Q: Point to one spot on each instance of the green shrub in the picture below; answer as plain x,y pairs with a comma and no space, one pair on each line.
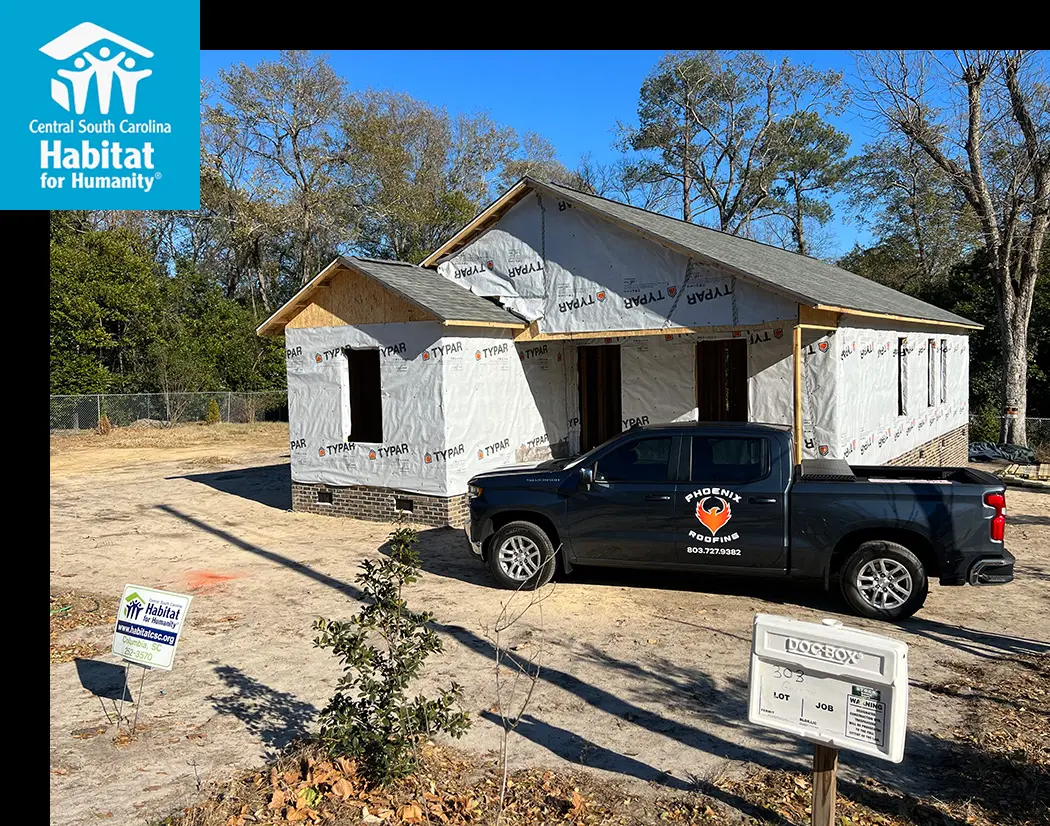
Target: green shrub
984,427
381,650
212,414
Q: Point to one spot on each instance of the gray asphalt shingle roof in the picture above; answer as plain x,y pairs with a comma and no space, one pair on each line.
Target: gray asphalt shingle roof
806,279
440,296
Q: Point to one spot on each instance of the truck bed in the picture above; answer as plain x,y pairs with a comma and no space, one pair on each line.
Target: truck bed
837,470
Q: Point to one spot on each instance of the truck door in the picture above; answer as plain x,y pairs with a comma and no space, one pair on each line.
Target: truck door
731,515
628,513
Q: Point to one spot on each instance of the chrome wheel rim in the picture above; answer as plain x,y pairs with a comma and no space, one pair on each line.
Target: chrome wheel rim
519,558
884,583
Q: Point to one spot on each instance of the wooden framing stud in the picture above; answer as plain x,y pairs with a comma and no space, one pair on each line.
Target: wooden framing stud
797,362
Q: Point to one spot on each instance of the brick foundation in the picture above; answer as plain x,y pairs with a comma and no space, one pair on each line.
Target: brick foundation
379,504
951,449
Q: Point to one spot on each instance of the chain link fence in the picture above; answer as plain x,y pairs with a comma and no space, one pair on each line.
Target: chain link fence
986,429
123,409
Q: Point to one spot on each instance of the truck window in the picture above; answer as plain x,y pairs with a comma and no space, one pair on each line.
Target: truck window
730,459
644,460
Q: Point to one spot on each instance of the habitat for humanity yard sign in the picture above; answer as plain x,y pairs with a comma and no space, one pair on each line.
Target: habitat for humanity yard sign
148,626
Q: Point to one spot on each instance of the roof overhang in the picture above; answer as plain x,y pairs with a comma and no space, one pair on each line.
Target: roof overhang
929,322
275,324
479,223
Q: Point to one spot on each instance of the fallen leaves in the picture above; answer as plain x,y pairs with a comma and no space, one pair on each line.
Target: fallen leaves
71,610
999,777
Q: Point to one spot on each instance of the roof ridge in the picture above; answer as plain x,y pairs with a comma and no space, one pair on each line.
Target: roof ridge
384,261
687,223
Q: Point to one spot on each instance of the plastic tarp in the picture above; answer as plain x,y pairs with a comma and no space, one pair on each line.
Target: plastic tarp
657,381
452,406
576,272
894,390
504,403
993,452
413,418
820,403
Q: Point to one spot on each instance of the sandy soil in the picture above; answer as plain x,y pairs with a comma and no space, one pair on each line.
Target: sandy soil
643,676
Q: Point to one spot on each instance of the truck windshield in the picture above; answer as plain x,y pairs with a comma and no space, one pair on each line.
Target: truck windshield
583,458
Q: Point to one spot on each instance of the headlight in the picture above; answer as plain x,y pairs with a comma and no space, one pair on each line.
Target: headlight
473,491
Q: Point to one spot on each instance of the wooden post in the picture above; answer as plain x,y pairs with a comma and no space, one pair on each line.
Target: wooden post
825,766
797,354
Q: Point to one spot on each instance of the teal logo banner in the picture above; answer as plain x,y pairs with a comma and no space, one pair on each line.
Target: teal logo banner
104,110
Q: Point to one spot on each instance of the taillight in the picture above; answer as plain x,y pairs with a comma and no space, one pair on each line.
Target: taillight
997,501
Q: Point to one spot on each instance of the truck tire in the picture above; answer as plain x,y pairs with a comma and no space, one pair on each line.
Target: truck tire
521,556
883,580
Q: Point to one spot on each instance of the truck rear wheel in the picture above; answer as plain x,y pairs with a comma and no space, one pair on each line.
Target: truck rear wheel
884,580
521,556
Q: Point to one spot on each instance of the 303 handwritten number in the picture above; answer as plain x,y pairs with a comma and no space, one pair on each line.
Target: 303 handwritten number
788,674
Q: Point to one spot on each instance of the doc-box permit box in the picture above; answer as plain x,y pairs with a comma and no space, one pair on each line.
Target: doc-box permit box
840,687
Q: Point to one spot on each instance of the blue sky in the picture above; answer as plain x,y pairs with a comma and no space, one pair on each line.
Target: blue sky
574,98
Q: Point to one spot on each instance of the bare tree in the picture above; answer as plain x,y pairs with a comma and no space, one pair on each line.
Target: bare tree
713,123
897,189
286,111
983,117
625,182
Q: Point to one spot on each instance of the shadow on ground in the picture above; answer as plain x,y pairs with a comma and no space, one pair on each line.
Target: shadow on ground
269,485
104,680
978,643
445,552
277,718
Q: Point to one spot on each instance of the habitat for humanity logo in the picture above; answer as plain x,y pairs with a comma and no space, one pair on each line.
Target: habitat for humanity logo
106,111
100,68
133,605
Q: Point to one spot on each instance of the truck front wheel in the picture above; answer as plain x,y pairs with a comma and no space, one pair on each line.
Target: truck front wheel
884,580
521,556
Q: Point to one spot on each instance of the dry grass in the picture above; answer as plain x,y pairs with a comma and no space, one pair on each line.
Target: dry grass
72,610
260,435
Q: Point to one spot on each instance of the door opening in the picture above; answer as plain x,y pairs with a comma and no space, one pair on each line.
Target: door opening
599,369
721,380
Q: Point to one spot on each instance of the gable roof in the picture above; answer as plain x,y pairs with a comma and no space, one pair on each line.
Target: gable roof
809,281
439,297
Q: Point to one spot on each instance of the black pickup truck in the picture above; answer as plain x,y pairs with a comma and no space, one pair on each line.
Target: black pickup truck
728,499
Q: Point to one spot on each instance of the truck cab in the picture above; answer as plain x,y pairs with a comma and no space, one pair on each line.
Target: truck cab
726,498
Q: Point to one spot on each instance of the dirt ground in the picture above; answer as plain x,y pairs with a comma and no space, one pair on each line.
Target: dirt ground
643,676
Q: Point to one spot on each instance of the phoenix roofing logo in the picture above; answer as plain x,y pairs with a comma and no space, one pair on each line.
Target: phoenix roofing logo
714,510
102,67
716,514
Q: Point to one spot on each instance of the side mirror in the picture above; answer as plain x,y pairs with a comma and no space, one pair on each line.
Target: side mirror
586,477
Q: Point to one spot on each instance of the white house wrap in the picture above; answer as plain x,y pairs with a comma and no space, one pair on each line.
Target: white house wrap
558,318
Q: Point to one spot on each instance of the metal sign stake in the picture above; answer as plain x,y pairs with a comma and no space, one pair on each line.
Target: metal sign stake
138,702
123,694
146,635
825,768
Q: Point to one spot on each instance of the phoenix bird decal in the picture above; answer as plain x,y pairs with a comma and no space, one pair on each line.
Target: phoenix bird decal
715,516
